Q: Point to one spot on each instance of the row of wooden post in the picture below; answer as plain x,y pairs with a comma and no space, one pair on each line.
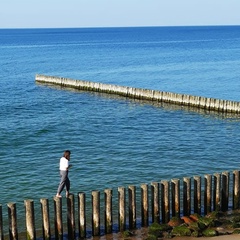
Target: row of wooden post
225,106
167,199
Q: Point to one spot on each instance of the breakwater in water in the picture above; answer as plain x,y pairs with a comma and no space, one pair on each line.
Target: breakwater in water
156,202
213,104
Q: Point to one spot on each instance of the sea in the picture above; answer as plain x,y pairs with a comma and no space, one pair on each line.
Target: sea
114,141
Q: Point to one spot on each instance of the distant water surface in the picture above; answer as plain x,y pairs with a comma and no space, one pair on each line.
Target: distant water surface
114,141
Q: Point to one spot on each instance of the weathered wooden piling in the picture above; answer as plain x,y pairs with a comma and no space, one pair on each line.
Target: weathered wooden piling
82,214
175,189
223,106
197,194
208,194
236,189
132,207
58,218
12,218
71,217
45,219
155,202
95,213
225,190
144,205
121,209
186,196
108,211
30,220
1,224
217,192
165,202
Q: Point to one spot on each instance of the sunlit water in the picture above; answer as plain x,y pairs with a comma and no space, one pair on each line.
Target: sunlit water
114,141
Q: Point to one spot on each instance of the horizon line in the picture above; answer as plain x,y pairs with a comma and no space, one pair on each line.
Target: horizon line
147,26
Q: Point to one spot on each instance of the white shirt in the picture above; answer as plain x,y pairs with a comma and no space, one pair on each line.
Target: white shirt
64,163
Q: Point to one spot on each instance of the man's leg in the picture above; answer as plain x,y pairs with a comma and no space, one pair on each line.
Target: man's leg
62,181
67,186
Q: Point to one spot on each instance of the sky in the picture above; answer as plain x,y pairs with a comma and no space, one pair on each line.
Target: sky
117,13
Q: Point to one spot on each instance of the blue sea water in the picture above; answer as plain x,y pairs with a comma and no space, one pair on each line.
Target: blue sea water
114,141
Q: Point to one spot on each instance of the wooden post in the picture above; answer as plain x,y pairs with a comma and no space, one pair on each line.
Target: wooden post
12,217
197,194
165,201
71,217
207,194
82,214
186,196
95,213
30,222
236,189
122,214
144,205
132,207
175,183
1,224
108,211
217,192
45,219
225,190
155,202
58,218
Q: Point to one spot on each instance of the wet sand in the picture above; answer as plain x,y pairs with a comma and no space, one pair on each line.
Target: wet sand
223,237
139,235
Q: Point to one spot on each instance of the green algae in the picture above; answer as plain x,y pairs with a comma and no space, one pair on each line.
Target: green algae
209,232
181,230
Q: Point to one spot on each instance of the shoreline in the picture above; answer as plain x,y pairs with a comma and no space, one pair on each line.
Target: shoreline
222,237
142,235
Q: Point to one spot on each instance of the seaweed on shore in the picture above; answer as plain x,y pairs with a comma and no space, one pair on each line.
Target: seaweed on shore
213,224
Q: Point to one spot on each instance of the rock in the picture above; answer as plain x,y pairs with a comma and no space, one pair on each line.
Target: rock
161,227
182,230
209,233
236,231
175,221
187,220
194,226
208,222
195,217
156,230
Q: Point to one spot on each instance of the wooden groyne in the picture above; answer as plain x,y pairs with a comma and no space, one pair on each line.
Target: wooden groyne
130,207
225,106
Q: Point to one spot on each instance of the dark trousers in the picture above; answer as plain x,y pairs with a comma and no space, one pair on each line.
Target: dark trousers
64,182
